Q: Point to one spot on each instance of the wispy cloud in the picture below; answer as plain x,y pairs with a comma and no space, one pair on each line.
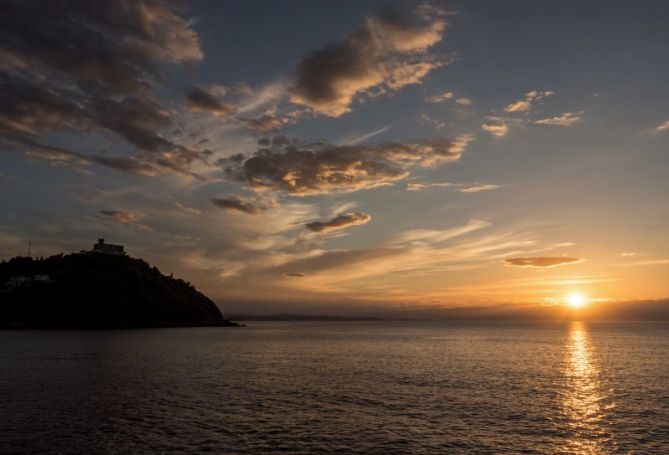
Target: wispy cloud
436,236
462,187
416,186
341,221
404,257
496,129
478,188
236,204
265,123
525,104
120,216
427,120
448,95
124,218
566,119
296,274
542,262
260,99
662,127
358,139
440,97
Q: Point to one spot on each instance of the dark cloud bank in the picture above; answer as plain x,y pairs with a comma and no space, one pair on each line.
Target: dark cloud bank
89,67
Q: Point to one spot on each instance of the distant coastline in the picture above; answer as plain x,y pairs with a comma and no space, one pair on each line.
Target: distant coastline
614,311
300,317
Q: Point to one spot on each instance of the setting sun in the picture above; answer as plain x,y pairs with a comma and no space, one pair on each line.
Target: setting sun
576,300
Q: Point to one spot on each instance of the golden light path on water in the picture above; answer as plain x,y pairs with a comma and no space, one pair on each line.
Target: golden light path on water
584,402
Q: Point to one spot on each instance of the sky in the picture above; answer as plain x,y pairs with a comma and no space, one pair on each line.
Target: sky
345,157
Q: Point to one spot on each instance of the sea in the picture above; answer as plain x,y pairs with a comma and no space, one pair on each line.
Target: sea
338,388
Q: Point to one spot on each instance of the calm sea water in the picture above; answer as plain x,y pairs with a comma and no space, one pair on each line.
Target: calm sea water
350,388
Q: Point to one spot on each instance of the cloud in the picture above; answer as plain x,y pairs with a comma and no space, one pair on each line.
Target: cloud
57,156
366,136
206,99
123,218
462,187
100,85
433,236
662,127
120,215
236,204
449,95
128,164
499,126
628,253
137,119
295,274
339,222
308,169
119,43
440,97
566,119
416,186
525,104
496,129
266,123
478,188
542,262
396,262
260,99
385,54
434,123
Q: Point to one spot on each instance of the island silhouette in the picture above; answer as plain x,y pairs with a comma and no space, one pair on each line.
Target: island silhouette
99,288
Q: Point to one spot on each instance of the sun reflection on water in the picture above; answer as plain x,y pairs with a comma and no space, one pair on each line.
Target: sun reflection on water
584,401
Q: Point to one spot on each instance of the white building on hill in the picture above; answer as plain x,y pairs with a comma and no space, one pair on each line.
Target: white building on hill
108,248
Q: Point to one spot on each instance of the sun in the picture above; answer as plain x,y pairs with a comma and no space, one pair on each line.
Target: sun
576,300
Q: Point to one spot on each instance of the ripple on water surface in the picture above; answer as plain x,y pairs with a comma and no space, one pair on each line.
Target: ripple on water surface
351,388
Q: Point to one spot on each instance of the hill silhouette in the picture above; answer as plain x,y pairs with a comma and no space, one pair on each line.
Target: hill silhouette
89,290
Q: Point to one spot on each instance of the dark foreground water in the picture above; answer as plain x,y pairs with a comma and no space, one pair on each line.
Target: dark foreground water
350,388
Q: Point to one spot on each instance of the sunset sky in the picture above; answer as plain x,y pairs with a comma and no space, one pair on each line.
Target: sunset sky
345,156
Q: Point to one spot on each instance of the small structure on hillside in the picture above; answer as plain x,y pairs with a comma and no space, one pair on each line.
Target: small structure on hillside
108,248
